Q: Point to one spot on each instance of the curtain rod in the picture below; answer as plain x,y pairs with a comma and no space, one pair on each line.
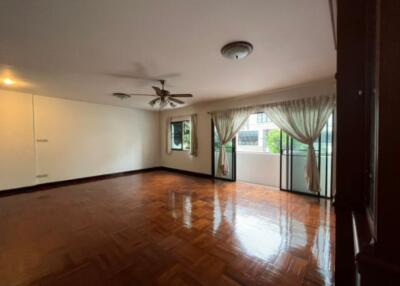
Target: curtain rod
185,115
262,105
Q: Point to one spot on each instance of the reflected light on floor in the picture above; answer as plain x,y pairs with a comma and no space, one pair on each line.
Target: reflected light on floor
261,242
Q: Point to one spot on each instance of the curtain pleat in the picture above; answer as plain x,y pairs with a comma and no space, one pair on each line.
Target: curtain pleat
168,139
193,135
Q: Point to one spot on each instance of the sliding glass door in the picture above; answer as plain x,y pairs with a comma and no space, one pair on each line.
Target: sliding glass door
230,149
293,156
293,160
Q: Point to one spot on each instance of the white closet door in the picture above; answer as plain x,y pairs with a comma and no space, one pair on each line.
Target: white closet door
17,152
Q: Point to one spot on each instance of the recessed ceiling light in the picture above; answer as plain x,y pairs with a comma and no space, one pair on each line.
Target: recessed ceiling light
8,81
237,50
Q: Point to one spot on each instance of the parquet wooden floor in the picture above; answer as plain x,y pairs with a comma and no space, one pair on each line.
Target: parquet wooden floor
162,228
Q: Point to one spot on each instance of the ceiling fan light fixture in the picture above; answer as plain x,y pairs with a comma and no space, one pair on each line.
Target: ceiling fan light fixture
163,97
237,50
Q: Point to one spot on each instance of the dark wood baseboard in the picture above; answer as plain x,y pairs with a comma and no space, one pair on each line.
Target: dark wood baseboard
188,173
57,184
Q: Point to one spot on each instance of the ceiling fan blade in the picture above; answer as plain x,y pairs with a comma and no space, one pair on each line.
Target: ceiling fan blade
181,95
154,101
172,104
176,100
120,94
141,94
158,90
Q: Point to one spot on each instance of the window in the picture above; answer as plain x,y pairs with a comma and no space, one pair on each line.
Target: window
273,141
261,117
176,133
248,138
186,135
180,135
259,134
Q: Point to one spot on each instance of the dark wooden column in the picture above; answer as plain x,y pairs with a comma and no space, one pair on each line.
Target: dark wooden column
368,146
388,169
351,133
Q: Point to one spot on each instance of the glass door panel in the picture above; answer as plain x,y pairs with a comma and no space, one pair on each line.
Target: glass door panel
294,158
298,163
230,153
284,162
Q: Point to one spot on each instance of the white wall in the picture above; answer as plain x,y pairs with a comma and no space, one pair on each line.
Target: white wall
86,139
258,168
202,163
17,152
83,139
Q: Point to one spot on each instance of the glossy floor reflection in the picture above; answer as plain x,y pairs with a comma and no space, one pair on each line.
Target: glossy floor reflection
165,229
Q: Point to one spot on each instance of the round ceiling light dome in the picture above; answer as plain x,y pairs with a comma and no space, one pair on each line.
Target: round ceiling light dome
237,50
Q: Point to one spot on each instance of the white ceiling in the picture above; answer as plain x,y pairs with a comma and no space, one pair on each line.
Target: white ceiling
76,49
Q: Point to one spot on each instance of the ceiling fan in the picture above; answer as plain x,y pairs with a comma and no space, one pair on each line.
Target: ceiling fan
164,97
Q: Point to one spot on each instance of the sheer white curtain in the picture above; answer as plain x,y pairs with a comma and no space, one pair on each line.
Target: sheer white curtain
193,135
168,139
304,119
228,124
